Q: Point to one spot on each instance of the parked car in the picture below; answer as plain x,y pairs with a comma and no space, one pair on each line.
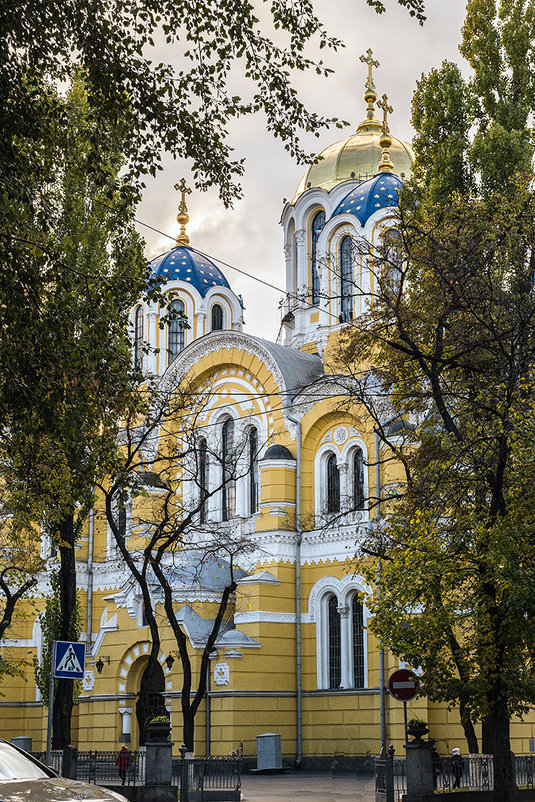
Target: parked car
24,777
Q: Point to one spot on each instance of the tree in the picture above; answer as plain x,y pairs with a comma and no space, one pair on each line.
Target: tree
450,335
172,544
66,317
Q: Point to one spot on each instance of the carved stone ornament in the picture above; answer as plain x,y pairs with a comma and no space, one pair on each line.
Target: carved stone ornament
221,673
88,681
340,435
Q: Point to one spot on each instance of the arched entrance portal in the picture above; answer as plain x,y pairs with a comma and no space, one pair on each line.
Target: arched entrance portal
151,701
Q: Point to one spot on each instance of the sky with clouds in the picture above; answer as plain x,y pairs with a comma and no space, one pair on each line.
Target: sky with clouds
249,236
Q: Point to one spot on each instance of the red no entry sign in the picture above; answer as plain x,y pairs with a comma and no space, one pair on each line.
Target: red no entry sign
403,685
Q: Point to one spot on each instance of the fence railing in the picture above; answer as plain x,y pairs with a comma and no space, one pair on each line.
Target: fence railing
56,761
99,767
195,775
474,773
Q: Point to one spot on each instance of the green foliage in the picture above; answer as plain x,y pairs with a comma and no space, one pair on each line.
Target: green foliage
51,629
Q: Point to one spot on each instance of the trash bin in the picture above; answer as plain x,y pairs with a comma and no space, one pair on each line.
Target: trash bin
268,751
23,742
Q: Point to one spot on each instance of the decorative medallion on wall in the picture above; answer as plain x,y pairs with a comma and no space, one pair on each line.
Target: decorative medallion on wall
340,435
88,681
221,674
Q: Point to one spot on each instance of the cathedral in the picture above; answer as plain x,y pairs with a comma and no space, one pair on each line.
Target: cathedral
294,655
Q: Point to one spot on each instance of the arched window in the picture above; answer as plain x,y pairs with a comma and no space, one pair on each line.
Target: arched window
121,523
228,492
217,317
358,479
346,279
203,478
175,334
253,470
333,484
393,259
334,642
318,222
357,633
138,337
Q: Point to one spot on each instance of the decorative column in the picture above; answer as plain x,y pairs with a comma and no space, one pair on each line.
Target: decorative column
126,713
200,315
345,645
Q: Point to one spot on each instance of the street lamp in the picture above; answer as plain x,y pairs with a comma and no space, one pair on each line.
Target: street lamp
99,665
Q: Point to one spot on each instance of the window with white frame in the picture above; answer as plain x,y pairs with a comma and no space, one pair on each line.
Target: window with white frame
252,476
203,468
318,222
228,481
138,337
338,608
175,330
217,317
122,517
346,279
340,476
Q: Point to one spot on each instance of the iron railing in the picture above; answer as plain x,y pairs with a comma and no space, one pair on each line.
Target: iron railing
99,767
56,759
208,774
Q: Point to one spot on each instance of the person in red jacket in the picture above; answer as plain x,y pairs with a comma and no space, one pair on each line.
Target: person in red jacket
122,761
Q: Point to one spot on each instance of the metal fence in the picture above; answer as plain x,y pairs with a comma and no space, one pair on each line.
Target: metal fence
208,775
99,767
474,773
56,761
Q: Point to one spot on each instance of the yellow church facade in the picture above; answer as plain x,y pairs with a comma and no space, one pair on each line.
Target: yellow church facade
296,655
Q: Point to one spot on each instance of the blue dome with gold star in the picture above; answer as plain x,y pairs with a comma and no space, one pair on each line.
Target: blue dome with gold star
377,193
185,264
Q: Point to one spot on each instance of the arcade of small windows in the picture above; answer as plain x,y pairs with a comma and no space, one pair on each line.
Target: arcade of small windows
217,317
318,223
175,332
138,337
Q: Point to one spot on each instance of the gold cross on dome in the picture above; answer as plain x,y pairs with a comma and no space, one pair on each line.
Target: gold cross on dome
368,59
184,190
383,104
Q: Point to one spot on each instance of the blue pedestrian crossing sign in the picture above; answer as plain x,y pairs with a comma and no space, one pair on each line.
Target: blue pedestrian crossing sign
70,660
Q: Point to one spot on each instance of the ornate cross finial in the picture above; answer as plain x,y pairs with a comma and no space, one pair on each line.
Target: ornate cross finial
368,59
182,216
383,104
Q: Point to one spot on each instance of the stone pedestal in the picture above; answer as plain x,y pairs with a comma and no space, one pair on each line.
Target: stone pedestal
158,763
419,766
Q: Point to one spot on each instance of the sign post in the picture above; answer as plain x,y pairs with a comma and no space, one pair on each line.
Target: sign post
68,661
403,685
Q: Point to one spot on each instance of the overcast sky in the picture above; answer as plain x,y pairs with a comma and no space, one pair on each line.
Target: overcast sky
249,235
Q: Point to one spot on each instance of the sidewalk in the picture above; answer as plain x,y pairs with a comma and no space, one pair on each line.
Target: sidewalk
302,787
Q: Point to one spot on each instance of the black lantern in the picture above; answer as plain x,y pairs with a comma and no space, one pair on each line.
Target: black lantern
99,665
169,660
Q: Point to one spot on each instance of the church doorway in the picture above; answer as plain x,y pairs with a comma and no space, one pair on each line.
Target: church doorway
151,699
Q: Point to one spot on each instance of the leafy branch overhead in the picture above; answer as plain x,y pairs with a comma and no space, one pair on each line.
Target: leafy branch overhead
126,53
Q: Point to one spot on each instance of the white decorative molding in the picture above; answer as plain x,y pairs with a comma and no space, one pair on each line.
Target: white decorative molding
106,625
263,617
263,578
232,654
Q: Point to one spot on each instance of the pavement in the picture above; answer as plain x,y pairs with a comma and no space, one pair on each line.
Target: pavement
307,787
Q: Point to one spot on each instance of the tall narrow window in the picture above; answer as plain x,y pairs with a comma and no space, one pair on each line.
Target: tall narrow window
228,493
335,647
253,470
358,479
318,222
138,337
175,335
203,479
393,259
333,484
357,627
217,317
346,279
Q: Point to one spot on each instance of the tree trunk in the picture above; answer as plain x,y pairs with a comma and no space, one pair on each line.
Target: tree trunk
63,699
504,777
469,731
189,727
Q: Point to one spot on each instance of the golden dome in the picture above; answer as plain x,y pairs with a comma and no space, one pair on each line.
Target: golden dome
356,157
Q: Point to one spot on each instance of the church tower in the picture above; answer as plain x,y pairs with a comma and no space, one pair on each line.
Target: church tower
339,202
